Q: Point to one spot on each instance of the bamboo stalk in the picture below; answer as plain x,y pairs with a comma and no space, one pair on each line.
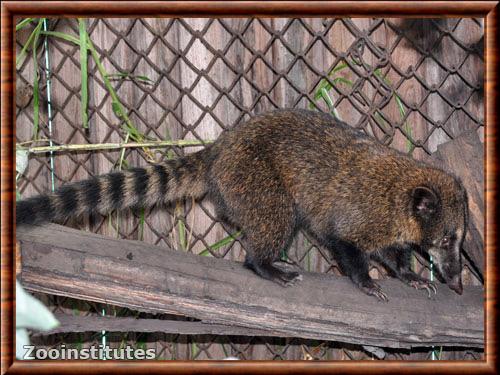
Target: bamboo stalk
111,146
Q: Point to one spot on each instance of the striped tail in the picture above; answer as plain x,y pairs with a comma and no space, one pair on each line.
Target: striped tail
133,188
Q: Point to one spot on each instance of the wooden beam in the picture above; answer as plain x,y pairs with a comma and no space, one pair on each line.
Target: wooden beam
93,323
63,261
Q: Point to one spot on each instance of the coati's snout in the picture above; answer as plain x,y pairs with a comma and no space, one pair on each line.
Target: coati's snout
442,215
448,264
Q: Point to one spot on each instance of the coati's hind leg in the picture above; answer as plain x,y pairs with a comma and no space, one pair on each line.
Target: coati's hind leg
397,261
264,243
354,263
265,240
256,202
268,271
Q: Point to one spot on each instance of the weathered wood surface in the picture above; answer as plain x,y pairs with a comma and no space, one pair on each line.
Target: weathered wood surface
464,157
80,323
63,261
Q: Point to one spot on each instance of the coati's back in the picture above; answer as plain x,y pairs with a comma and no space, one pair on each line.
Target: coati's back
338,178
283,171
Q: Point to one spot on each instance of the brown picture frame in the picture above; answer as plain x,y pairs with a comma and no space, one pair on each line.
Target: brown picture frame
12,9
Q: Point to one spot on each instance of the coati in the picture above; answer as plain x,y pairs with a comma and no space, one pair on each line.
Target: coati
297,169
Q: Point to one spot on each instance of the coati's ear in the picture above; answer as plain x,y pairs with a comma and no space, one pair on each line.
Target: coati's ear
424,202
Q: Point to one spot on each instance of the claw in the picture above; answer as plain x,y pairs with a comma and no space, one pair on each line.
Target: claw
376,291
428,292
432,287
427,285
291,279
381,296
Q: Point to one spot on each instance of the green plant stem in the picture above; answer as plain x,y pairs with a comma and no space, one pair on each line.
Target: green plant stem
116,104
84,72
36,78
182,241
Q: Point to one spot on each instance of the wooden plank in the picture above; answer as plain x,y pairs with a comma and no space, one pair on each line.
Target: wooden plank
79,323
63,261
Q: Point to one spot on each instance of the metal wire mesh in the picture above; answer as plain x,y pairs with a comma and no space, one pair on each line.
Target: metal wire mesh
411,84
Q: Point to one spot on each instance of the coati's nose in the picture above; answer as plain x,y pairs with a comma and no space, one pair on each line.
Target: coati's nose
456,285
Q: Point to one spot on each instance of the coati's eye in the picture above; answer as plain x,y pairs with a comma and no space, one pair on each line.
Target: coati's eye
445,241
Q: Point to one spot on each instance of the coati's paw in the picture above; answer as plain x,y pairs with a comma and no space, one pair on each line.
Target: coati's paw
424,284
373,289
275,274
289,278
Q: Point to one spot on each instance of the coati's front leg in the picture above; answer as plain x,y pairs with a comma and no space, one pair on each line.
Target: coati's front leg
354,263
397,260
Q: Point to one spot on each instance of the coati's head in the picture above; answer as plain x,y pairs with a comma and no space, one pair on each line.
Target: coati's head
440,207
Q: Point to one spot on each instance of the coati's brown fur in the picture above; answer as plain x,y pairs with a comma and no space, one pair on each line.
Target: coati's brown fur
296,169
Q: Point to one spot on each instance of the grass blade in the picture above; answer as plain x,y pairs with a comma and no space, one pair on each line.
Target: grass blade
83,70
23,23
343,80
29,43
141,224
66,37
324,85
409,145
225,241
129,76
338,68
115,101
324,95
36,79
116,104
181,227
143,78
182,234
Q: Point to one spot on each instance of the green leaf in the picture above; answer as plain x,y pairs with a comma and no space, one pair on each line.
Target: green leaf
225,241
338,68
84,73
23,23
29,43
117,75
141,225
130,76
36,79
64,36
326,98
116,109
115,101
343,80
181,227
143,78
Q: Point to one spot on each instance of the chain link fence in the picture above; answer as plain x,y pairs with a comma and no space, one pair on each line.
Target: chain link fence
412,84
